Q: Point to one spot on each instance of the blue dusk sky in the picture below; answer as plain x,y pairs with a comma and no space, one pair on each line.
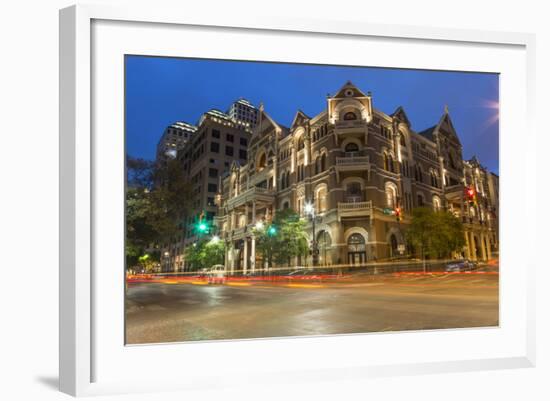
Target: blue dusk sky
160,91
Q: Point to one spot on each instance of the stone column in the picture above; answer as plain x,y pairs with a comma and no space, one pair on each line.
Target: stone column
468,253
483,246
253,212
253,253
245,255
473,250
488,242
227,250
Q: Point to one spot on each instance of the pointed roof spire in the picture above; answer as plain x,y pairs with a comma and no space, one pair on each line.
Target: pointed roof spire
446,109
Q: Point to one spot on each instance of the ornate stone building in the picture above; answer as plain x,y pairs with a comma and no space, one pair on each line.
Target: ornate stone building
357,165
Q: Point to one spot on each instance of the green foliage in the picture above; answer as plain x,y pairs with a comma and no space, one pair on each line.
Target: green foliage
205,253
435,233
156,201
283,239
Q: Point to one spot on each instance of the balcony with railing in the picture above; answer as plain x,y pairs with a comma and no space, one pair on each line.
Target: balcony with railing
355,209
251,194
350,124
260,176
352,162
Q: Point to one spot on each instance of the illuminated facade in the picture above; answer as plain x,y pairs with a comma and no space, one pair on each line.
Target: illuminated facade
357,165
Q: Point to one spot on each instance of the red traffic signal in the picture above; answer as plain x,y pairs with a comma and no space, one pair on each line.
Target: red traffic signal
397,213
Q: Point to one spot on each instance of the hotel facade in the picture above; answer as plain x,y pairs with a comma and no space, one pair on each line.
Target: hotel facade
357,165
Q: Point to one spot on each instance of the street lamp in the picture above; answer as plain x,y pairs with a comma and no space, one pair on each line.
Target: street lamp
309,209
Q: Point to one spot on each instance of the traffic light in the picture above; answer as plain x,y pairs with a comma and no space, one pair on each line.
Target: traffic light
272,231
470,195
202,226
397,213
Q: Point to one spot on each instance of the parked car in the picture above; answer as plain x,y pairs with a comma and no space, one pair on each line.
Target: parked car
460,266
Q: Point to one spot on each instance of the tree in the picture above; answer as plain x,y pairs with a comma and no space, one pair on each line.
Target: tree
157,198
283,239
205,253
435,233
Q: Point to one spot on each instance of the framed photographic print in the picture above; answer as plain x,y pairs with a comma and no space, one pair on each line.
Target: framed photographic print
280,199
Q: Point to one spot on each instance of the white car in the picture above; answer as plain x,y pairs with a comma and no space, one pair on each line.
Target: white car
216,274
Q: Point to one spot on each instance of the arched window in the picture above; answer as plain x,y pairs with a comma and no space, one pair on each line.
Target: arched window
402,140
242,220
391,195
301,144
434,179
321,199
261,162
418,175
286,205
386,164
351,147
323,162
452,160
390,163
356,243
349,116
318,165
419,200
353,192
300,205
287,183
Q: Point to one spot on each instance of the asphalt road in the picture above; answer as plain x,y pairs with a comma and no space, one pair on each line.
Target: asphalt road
159,312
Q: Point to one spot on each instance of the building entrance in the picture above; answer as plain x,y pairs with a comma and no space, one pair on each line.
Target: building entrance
357,252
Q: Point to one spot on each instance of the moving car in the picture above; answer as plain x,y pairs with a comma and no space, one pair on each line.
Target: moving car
460,266
216,274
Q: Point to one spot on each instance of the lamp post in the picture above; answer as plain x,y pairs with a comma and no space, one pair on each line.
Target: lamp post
309,209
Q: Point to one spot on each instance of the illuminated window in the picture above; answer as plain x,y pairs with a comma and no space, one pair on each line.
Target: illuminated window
391,195
321,199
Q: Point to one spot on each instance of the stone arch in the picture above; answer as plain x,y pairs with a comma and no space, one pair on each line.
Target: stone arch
390,189
261,160
397,233
350,105
356,230
347,141
299,138
324,243
321,197
349,180
284,202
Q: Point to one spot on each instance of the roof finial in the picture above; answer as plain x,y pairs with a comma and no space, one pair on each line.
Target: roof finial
261,106
446,109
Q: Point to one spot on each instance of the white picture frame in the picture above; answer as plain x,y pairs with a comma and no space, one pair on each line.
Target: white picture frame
81,342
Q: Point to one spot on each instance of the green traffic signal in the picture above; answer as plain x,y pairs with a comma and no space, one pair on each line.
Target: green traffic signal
272,231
